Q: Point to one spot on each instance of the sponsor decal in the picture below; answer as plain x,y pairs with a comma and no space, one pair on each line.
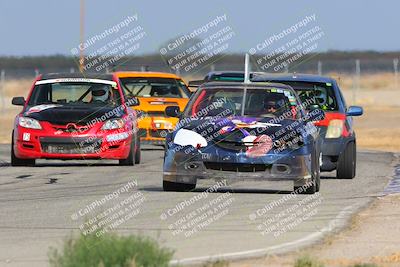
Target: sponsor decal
69,80
26,137
39,108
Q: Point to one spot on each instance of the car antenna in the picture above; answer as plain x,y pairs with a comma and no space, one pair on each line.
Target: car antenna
247,68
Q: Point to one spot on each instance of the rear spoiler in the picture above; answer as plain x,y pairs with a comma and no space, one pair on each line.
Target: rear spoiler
196,83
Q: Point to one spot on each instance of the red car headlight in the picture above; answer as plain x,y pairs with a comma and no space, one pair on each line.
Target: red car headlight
29,123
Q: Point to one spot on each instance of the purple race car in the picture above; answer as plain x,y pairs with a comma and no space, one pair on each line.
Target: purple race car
243,132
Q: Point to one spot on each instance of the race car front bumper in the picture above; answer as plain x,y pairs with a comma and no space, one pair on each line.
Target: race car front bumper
152,137
36,144
182,167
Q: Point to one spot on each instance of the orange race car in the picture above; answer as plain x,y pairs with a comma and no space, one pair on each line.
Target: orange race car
155,91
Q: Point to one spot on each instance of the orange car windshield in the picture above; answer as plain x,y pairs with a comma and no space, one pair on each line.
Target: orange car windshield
154,87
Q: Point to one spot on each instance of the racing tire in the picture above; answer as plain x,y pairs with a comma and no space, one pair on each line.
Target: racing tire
177,187
130,160
315,184
17,161
138,151
317,173
346,166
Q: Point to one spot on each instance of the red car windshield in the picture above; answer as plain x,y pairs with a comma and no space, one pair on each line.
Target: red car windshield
75,93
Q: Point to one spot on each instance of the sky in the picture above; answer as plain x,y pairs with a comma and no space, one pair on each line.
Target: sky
48,27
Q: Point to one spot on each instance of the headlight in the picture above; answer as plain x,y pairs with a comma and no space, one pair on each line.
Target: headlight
335,129
113,124
186,137
29,123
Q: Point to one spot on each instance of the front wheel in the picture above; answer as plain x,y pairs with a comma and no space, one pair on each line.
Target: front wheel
177,187
138,151
308,188
313,186
346,166
17,161
130,160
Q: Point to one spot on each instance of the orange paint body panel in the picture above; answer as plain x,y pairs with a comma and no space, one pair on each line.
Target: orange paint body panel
156,124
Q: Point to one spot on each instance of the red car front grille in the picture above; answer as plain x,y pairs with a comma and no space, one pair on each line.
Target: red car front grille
63,145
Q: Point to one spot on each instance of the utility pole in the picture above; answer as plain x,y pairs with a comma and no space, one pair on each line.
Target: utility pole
358,73
2,79
396,72
286,67
319,67
82,36
356,81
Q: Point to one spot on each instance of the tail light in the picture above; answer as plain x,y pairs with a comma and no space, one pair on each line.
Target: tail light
335,129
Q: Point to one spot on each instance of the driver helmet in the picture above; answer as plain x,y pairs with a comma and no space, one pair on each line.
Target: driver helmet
321,97
100,92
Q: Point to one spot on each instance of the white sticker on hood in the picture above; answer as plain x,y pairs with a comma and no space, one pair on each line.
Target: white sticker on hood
39,108
186,137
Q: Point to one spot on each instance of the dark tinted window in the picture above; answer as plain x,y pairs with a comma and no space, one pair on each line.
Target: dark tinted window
321,94
154,87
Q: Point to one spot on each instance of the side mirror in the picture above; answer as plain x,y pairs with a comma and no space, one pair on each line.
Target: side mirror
313,107
18,101
316,115
172,111
354,111
132,102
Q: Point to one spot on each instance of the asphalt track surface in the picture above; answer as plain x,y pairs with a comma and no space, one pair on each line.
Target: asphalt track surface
39,207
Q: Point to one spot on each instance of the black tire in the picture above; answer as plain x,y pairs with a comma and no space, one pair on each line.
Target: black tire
17,161
130,160
346,166
318,174
138,152
178,187
314,186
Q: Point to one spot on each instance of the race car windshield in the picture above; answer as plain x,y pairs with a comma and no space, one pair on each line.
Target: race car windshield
237,77
320,94
75,93
260,102
231,77
154,87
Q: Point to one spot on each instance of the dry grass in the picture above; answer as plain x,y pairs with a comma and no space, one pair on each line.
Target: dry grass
374,81
18,87
379,139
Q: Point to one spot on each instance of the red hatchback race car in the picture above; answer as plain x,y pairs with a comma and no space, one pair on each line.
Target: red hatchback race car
75,116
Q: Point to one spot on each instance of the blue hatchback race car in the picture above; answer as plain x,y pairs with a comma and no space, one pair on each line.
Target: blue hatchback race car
243,131
339,150
339,138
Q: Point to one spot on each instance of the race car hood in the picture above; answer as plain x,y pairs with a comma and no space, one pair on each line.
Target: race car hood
236,128
64,114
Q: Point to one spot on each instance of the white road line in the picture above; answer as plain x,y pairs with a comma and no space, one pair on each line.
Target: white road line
337,222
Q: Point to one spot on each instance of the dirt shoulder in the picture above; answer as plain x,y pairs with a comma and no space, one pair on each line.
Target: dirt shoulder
372,237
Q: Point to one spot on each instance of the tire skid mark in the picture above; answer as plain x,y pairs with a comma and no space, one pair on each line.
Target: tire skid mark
393,187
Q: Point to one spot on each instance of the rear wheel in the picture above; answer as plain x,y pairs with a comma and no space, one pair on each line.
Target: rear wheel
130,160
177,187
17,161
346,166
